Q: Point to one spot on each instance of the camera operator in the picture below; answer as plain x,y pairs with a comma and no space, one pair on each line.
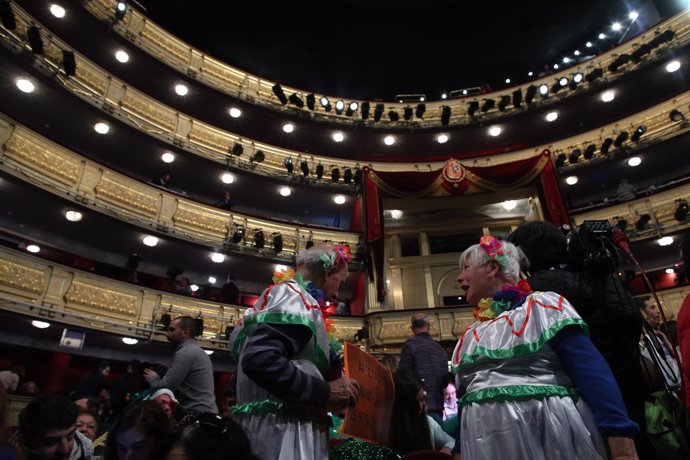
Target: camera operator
591,283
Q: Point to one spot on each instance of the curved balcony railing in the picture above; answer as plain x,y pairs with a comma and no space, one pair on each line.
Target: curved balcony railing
56,169
661,207
156,41
33,287
102,90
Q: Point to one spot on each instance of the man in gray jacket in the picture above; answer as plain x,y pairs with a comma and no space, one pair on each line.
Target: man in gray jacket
190,375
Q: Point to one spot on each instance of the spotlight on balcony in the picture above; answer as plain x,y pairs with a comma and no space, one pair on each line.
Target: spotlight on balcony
259,239
325,103
517,98
289,167
606,145
488,105
472,108
622,137
407,113
378,112
503,103
419,111
676,115
642,222
351,108
277,242
311,101
296,100
364,113
393,115
278,91
531,92
445,115
304,167
335,175
681,211
638,133
589,151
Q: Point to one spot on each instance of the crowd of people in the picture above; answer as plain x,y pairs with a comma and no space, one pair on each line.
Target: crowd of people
561,362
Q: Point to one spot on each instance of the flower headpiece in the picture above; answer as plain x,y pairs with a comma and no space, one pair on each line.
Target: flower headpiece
494,249
338,254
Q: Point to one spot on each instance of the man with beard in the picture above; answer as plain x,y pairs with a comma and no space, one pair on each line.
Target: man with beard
190,375
48,431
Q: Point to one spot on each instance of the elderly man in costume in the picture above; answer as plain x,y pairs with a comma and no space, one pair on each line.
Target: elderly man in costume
284,360
534,385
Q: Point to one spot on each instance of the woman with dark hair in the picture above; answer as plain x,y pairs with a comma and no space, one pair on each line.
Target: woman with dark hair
141,432
411,428
203,436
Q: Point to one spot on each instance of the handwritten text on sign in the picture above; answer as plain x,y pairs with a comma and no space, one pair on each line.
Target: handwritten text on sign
371,417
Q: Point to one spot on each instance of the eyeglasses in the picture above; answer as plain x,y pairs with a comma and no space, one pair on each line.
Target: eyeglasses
211,424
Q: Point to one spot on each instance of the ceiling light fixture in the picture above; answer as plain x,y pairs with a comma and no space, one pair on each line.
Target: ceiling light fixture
129,341
288,127
217,257
227,178
101,128
122,56
212,279
25,86
571,180
608,96
670,271
634,161
285,191
389,140
396,214
494,131
150,241
673,66
33,248
57,11
633,15
235,112
551,116
543,89
168,157
40,324
181,90
338,136
73,216
589,44
665,241
616,26
339,199
442,138
208,352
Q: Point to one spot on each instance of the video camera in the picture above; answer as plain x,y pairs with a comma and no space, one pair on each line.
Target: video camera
592,248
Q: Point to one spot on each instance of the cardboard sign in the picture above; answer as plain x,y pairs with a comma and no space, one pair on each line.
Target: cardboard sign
370,419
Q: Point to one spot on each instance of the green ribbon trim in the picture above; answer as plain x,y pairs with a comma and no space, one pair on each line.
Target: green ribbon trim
517,393
518,350
273,406
272,317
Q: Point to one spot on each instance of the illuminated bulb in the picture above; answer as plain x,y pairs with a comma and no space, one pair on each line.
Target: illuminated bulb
633,15
608,96
339,199
442,138
389,140
507,80
73,216
227,178
571,180
670,271
616,26
551,116
101,128
181,90
396,214
194,287
33,248
25,85
168,157
150,241
122,56
673,66
444,96
208,352
40,324
665,241
129,341
57,11
602,36
530,73
543,89
236,113
509,205
494,131
217,257
589,44
634,161
211,279
285,191
288,127
338,136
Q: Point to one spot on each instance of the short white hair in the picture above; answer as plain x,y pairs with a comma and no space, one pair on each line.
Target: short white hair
312,262
477,255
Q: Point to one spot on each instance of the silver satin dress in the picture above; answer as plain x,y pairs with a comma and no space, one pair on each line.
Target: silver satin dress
519,403
281,431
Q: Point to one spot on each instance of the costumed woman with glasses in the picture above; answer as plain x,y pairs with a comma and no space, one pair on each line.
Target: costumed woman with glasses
288,376
533,385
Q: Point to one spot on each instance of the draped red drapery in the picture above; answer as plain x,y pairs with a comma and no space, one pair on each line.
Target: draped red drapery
454,179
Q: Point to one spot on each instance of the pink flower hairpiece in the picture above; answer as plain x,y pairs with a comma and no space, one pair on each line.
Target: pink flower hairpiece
494,249
338,254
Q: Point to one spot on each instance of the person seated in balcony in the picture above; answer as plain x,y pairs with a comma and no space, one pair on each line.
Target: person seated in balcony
625,191
225,202
164,181
9,378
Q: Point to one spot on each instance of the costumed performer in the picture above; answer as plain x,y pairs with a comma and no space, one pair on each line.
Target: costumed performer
284,361
534,386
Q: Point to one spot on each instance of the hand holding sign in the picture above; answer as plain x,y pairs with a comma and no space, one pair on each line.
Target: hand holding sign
344,392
